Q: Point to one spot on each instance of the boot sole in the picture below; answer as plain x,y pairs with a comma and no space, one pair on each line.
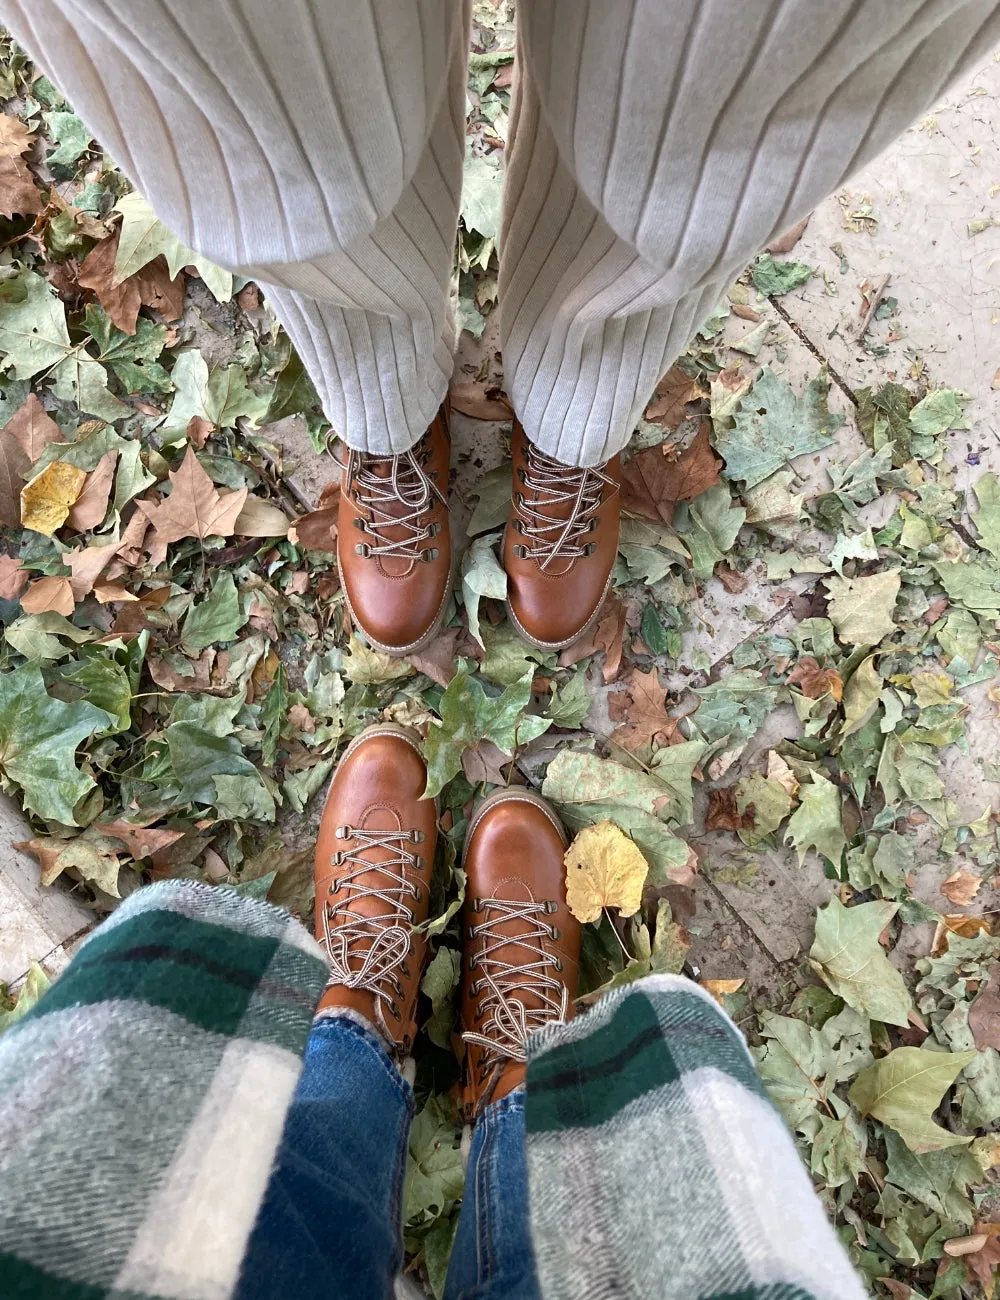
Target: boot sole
513,796
568,641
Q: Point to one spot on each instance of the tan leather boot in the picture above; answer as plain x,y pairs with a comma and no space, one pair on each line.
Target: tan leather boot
522,943
374,858
394,541
560,544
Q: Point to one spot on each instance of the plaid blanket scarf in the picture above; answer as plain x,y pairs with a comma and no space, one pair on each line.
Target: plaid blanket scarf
142,1100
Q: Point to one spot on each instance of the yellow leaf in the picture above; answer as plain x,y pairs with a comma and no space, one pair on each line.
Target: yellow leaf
721,988
47,500
603,869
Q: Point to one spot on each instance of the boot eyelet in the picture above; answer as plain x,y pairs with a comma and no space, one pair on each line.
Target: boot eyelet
360,524
471,934
418,897
418,837
519,527
341,832
364,550
593,526
334,886
419,863
558,964
394,1013
520,552
551,907
590,548
519,498
556,932
429,555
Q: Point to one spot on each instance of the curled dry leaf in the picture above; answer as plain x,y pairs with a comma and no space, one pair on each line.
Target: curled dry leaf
984,1014
198,431
150,286
260,518
12,577
18,192
49,594
961,887
437,660
778,770
814,681
316,531
14,467
47,500
86,566
643,712
604,868
606,635
109,593
721,988
966,927
786,242
480,402
141,841
667,407
724,815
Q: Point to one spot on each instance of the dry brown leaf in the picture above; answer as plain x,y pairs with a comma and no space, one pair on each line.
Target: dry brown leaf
200,680
47,500
786,242
91,505
33,427
643,707
18,192
141,841
652,483
898,1290
604,868
46,853
12,577
687,873
301,719
14,468
778,770
47,594
485,762
720,988
957,923
746,313
723,814
815,681
961,887
195,506
151,286
110,593
249,297
15,137
605,634
316,531
671,396
733,582
86,566
476,400
260,518
437,660
983,1262
198,431
984,1014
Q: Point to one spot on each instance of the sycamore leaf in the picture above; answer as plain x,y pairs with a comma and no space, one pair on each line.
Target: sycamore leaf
987,517
12,577
903,1090
93,861
144,237
861,695
220,396
960,888
79,378
35,984
33,427
469,715
764,799
493,491
772,278
362,664
972,583
603,869
195,507
652,483
570,703
482,190
940,411
54,593
132,356
14,468
38,739
848,957
91,505
861,609
46,501
481,576
71,136
578,778
773,426
33,333
217,618
817,822
671,942
709,525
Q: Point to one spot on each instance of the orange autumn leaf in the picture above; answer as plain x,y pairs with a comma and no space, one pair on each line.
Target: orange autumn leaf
814,681
49,595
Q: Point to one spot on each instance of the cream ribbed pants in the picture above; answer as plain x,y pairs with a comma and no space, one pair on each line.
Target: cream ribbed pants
655,146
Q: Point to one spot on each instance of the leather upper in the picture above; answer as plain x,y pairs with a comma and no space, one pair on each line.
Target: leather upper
374,859
397,575
553,592
520,939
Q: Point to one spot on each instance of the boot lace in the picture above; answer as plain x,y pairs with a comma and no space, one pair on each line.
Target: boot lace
382,942
506,1020
555,485
406,485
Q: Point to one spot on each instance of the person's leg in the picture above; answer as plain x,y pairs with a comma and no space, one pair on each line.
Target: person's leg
492,1258
330,1224
316,147
653,150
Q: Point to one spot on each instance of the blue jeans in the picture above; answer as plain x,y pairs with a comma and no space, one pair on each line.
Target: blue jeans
331,1222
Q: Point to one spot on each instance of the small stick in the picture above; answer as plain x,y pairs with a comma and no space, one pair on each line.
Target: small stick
873,305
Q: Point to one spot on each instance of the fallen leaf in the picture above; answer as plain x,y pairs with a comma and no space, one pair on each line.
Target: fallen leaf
961,887
15,137
109,593
195,506
172,679
984,1014
86,566
437,660
723,814
471,399
966,927
485,763
818,821
317,530
667,407
721,988
652,484
984,1260
46,501
848,957
778,770
604,868
815,681
33,427
903,1090
260,518
786,242
14,468
91,505
606,635
141,841
12,577
199,430
861,609
151,286
49,594
18,192
644,715
773,425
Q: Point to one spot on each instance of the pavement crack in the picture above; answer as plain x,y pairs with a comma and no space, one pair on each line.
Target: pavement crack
807,342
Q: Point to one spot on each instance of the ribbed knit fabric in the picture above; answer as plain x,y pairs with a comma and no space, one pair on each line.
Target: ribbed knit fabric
655,147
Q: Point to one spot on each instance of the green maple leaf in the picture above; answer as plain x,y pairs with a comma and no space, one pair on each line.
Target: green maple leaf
482,191
217,618
435,1170
848,957
774,278
570,702
816,823
220,396
33,332
272,715
294,392
987,517
709,525
72,137
975,584
773,426
144,237
481,576
469,715
38,739
904,1088
133,357
884,419
940,411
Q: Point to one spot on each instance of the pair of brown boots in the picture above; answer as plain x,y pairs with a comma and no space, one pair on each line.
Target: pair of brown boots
394,545
521,944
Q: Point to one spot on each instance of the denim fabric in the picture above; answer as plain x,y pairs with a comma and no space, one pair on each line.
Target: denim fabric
330,1225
